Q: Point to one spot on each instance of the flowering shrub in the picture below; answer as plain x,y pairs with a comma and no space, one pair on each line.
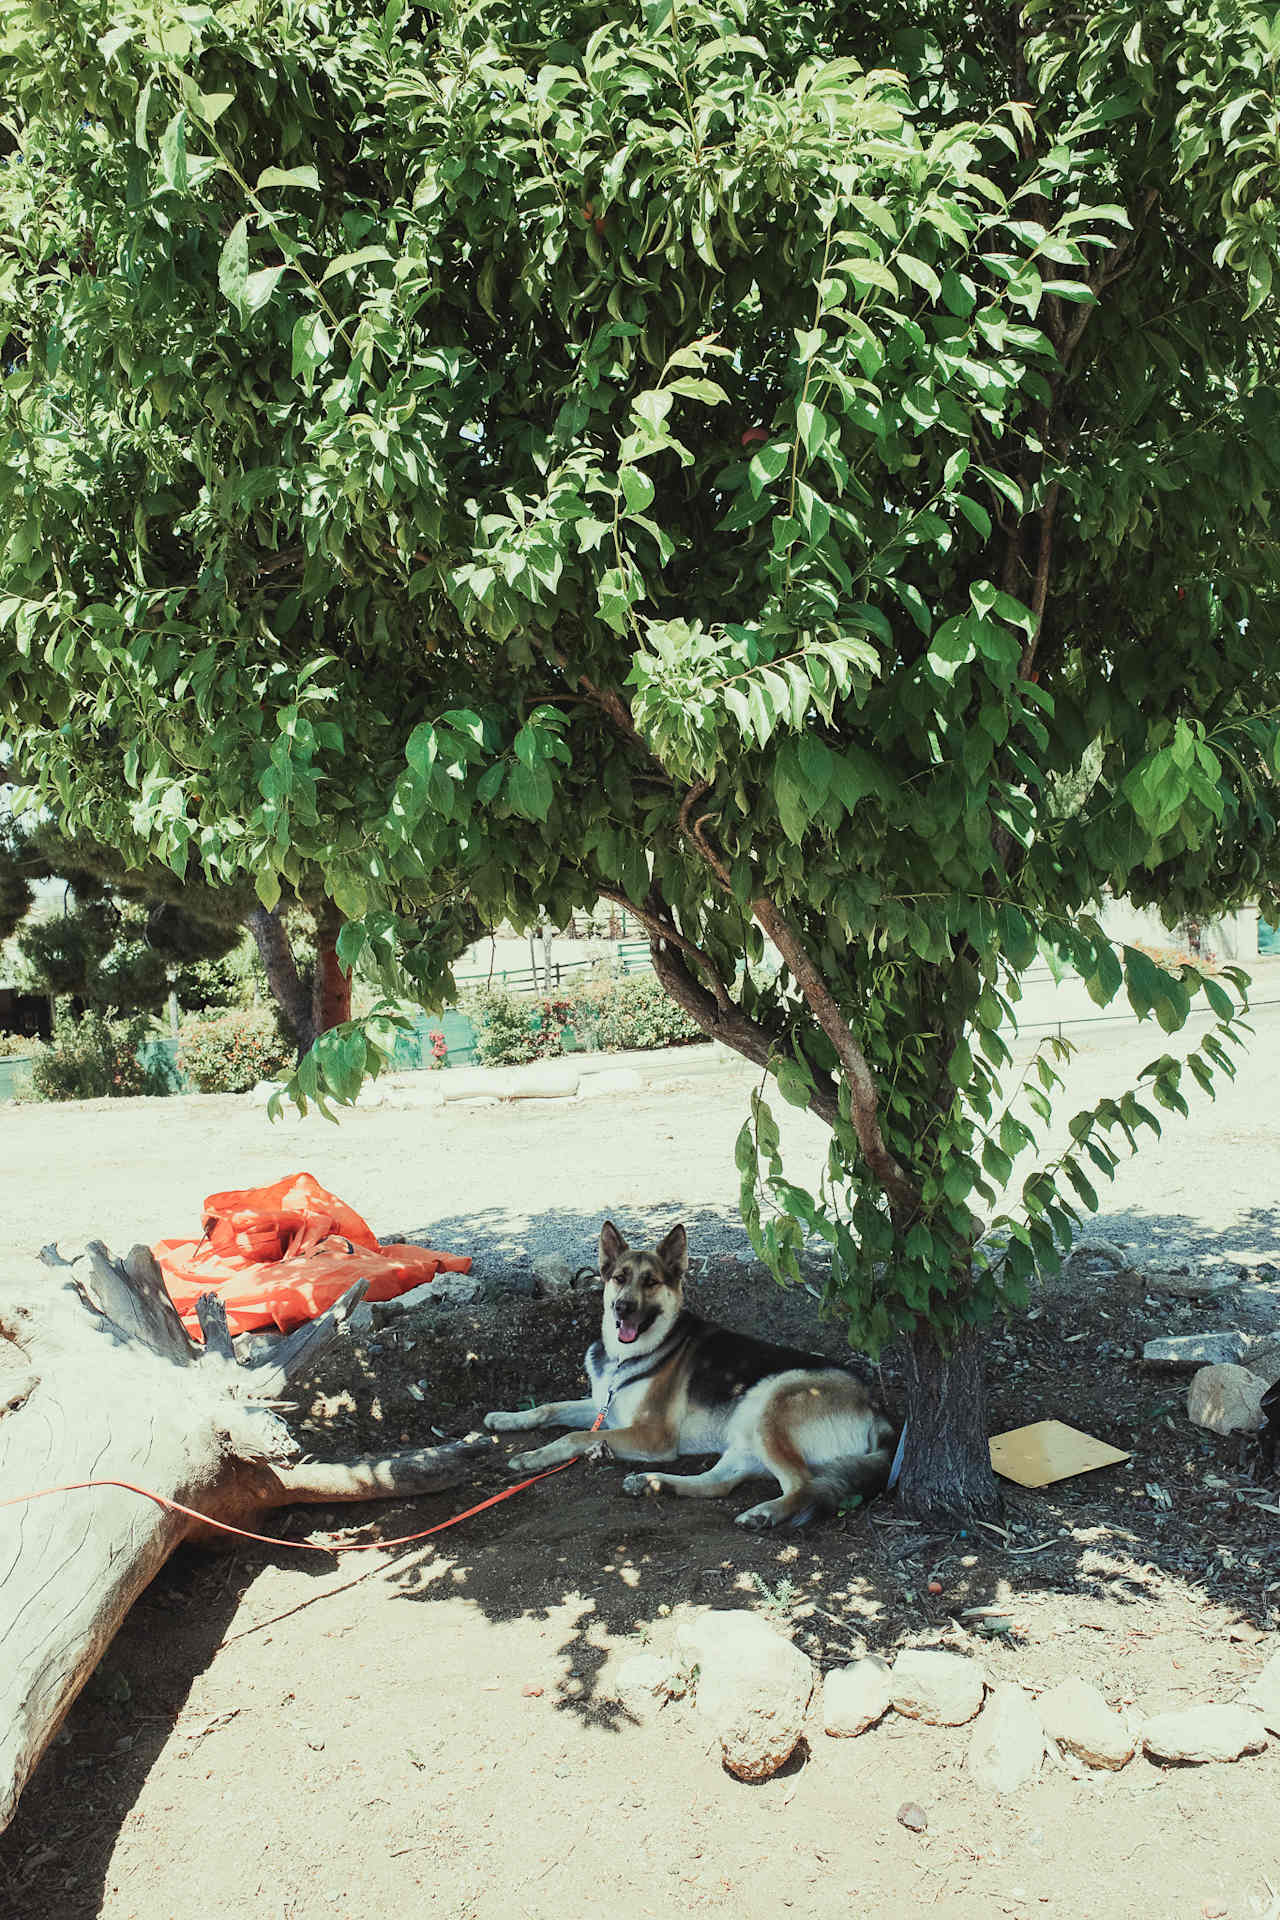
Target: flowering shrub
633,1012
18,1045
613,1015
233,1052
94,1059
439,1046
511,1031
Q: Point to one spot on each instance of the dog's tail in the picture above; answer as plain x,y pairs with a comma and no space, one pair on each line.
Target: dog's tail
836,1481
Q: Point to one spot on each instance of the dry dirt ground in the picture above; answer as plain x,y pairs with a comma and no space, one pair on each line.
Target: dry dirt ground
434,1729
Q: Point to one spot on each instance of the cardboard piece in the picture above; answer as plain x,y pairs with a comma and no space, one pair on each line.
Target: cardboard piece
1049,1450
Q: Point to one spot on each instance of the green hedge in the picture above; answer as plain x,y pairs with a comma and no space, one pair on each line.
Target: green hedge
94,1059
612,1015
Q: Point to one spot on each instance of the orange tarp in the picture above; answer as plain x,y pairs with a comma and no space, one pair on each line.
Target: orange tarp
282,1254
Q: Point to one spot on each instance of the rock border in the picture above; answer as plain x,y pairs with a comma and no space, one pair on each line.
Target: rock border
734,1667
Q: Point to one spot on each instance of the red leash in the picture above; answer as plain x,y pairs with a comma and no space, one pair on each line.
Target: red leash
307,1546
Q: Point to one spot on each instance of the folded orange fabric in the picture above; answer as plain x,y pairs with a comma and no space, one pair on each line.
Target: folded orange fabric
282,1254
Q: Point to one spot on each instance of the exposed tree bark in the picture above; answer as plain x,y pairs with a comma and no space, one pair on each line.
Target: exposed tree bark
288,992
331,988
99,1381
946,1468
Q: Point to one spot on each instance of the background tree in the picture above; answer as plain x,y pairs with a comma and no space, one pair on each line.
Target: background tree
800,471
133,930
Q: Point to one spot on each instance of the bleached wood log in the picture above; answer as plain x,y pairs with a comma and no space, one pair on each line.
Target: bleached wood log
99,1381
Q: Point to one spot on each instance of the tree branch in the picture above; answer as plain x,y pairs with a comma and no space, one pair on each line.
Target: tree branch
656,916
1040,586
863,1098
729,1024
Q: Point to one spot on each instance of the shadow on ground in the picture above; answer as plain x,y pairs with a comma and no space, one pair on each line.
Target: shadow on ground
1185,1526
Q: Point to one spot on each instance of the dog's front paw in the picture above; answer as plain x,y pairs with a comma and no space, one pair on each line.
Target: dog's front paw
525,1462
641,1483
503,1422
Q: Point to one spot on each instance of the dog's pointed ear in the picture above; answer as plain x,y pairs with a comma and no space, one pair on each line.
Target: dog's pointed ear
673,1252
612,1248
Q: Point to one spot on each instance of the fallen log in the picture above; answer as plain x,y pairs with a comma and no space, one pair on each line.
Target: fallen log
99,1381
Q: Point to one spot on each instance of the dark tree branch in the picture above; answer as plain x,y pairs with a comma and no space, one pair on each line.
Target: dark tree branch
863,1096
730,1024
657,918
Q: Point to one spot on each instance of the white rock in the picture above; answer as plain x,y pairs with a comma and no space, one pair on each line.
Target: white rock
427,1090
643,1683
1262,1695
944,1689
1187,1350
553,1273
752,1689
551,1082
1079,1719
1008,1745
1226,1399
856,1696
1102,1250
1203,1283
1204,1733
450,1290
612,1080
424,1296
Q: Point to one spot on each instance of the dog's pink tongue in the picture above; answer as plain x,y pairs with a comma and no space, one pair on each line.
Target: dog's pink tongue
627,1333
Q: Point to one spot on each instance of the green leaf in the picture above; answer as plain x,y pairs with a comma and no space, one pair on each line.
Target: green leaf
209,107
637,489
795,1084
305,177
490,781
111,42
173,152
233,264
977,516
529,790
708,391
813,427
347,262
259,287
960,1065
996,1162
310,345
767,465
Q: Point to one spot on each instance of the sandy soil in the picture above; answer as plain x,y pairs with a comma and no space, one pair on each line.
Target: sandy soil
435,1731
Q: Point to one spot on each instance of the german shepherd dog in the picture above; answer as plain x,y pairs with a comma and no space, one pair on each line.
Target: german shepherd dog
670,1383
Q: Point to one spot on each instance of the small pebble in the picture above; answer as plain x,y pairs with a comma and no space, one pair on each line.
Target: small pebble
912,1816
935,1586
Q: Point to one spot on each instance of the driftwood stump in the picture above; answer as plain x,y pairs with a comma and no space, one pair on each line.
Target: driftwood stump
98,1380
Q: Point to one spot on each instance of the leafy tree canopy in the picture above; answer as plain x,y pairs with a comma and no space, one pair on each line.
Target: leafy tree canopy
125,938
803,470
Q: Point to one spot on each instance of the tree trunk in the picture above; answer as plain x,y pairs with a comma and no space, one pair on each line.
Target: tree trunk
287,990
331,988
99,1381
946,1464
